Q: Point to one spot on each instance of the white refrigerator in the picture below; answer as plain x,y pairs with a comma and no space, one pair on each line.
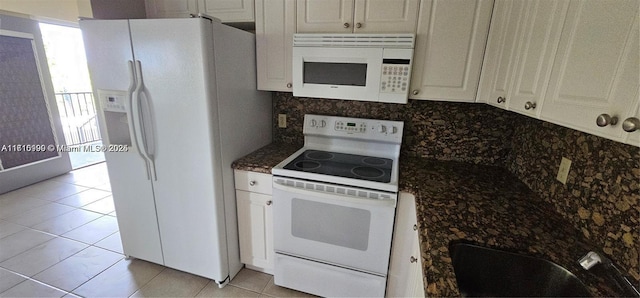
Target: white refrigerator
177,104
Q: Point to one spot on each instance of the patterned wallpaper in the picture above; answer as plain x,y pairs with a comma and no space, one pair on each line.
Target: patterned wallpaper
602,194
24,118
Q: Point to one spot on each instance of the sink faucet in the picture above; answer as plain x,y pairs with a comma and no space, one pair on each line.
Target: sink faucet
589,260
592,258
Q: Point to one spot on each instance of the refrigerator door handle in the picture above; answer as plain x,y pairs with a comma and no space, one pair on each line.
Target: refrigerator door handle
135,116
146,120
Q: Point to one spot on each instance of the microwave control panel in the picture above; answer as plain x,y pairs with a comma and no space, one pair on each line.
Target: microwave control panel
395,76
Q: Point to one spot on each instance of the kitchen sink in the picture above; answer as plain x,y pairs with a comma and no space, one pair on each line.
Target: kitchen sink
482,271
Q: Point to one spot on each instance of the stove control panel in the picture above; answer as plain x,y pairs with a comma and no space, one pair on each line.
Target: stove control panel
356,128
353,127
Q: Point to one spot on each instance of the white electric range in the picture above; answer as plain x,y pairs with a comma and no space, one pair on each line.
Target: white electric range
334,207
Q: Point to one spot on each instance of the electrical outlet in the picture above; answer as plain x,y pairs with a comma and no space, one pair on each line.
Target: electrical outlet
282,120
563,171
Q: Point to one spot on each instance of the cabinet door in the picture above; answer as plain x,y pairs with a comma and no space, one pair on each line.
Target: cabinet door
537,47
405,274
228,10
255,227
171,8
415,284
380,16
450,42
596,68
500,55
334,16
275,26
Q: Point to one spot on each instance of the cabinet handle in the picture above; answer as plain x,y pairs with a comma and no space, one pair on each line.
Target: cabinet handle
358,25
415,227
289,85
269,202
604,120
413,259
501,99
529,105
192,15
252,183
415,92
346,25
631,124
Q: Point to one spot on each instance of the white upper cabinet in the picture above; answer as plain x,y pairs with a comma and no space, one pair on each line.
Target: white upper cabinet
171,8
596,68
275,26
225,10
537,46
450,43
522,44
356,16
228,10
324,16
500,54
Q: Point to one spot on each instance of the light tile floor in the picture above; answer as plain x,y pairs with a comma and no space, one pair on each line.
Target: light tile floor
60,238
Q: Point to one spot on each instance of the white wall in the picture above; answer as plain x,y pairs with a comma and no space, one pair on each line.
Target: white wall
55,11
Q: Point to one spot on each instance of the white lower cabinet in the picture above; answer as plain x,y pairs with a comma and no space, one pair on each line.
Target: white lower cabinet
405,270
255,220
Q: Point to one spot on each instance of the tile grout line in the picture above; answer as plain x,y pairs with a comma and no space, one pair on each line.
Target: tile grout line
142,286
27,278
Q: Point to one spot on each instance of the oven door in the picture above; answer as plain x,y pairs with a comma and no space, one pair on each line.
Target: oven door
343,226
343,73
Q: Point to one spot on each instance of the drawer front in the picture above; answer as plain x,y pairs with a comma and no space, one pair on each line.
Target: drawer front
253,182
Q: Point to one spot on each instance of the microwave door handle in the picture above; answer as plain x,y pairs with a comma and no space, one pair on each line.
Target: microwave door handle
335,197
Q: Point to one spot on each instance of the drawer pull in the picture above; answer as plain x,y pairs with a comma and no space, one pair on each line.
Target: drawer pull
252,183
415,227
413,259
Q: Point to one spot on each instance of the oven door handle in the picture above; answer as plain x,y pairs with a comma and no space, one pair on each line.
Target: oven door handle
336,197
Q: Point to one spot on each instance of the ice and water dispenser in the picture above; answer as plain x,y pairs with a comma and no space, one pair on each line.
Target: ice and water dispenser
115,109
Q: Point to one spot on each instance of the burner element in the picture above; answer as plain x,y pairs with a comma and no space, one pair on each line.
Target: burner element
370,168
367,172
307,164
319,155
374,161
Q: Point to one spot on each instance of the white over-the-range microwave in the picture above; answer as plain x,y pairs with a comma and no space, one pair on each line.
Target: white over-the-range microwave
366,67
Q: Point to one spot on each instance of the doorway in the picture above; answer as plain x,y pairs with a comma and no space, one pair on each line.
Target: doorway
68,67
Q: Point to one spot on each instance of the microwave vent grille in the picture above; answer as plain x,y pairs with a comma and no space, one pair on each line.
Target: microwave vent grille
404,41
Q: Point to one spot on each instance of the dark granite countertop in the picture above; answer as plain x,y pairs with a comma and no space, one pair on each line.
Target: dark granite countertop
490,207
482,204
265,158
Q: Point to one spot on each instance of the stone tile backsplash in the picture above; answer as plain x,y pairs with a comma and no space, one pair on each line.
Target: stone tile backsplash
602,191
602,194
474,133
